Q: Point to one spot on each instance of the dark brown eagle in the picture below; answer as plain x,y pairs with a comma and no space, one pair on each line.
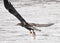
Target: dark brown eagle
29,26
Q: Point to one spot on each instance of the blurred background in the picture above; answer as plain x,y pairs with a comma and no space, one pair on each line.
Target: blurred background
34,0
31,2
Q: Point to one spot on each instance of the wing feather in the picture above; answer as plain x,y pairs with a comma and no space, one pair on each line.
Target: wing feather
39,25
13,11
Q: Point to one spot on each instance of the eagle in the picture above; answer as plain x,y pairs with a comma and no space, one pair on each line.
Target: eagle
24,23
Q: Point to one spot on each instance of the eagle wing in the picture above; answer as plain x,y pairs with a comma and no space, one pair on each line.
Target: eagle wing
39,25
13,11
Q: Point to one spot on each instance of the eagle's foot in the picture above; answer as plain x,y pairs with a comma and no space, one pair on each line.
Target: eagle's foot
33,33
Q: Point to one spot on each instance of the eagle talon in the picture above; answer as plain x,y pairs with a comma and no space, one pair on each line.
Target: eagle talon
33,33
30,32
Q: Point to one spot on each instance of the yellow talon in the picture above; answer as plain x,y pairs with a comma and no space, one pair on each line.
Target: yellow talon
30,32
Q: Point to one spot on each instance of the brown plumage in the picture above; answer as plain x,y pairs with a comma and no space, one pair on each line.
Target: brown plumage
29,26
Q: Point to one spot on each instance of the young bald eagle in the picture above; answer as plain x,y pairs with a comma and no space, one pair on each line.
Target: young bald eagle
25,24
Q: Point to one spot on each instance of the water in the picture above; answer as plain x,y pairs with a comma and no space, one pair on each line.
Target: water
47,13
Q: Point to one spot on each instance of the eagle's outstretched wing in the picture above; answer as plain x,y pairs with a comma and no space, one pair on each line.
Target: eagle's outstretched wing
13,11
39,25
